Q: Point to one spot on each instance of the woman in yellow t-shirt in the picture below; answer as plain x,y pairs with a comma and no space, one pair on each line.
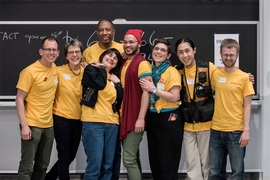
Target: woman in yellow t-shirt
165,126
101,101
67,110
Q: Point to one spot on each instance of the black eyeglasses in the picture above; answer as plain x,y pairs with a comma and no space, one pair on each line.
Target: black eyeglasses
48,50
72,52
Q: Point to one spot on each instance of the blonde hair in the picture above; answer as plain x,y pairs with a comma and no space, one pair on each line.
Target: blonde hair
230,43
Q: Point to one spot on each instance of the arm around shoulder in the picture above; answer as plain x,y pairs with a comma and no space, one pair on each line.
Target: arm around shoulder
94,77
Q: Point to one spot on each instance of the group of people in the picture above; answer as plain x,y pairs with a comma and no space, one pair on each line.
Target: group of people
115,94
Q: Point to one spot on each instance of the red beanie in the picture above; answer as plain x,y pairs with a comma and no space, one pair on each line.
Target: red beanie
137,33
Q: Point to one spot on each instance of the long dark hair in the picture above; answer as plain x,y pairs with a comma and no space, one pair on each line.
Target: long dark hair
186,40
114,70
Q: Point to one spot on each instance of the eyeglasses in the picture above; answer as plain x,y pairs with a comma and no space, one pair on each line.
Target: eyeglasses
129,42
72,52
228,55
48,50
161,49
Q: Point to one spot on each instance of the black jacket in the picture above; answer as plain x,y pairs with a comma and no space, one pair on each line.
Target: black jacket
94,79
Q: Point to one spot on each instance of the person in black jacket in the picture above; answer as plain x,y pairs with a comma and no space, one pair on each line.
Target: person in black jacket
101,101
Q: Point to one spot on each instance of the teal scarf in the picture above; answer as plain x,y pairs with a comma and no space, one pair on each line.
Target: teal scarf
156,73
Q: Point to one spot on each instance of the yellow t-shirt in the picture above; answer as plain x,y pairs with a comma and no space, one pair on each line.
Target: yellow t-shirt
102,112
69,93
230,90
92,53
145,69
170,78
40,83
190,77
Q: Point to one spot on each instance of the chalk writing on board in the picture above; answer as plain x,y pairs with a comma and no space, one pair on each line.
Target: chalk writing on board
66,36
31,37
89,42
9,36
153,40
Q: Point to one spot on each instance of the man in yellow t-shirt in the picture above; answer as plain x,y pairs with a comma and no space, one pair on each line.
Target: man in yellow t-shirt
135,102
35,95
230,123
105,33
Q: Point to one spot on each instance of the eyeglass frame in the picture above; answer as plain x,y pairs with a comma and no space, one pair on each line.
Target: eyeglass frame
160,49
48,50
77,52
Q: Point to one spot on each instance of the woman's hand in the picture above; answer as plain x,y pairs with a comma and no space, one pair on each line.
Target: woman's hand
147,85
84,64
97,64
114,78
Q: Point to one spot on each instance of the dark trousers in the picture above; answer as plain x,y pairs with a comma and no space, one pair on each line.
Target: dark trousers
221,145
67,136
164,144
35,154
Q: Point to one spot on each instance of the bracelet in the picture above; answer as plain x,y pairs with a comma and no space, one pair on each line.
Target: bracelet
118,84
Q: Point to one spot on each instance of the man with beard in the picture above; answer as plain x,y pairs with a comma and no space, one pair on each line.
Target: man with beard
135,102
105,33
230,123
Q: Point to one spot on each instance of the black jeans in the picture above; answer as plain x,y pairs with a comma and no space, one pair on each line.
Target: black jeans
67,134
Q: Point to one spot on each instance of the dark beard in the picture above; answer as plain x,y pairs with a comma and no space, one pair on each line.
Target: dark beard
134,52
229,65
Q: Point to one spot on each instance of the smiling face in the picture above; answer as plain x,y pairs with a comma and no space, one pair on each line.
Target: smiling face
229,56
110,61
105,33
49,52
160,53
74,55
131,45
186,54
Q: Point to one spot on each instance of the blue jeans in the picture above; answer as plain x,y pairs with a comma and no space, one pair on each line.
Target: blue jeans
99,142
222,144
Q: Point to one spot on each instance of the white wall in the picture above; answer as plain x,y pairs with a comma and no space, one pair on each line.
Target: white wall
10,146
265,85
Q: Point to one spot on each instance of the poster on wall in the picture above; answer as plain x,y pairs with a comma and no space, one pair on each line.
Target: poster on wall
217,41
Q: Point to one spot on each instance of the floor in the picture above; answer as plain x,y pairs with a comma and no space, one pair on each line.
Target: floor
182,176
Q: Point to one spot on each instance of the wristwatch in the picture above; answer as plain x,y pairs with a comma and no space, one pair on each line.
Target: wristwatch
154,90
